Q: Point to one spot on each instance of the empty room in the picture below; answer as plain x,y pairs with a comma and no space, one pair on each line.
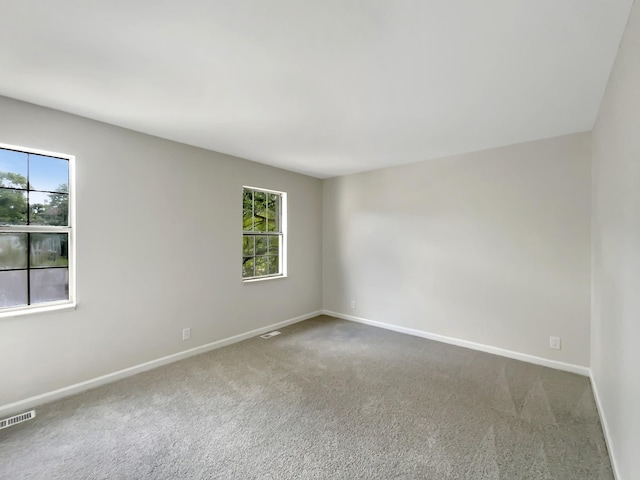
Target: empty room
320,239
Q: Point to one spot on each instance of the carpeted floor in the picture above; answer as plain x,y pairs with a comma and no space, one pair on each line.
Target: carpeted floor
326,399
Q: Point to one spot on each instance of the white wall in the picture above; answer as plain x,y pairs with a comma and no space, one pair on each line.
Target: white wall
491,247
159,249
615,352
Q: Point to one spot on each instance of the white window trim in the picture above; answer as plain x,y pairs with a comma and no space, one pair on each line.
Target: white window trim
70,304
283,243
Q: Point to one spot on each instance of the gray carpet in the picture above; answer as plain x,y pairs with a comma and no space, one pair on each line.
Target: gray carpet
326,399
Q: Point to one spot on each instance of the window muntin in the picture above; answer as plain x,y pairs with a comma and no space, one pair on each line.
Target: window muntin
263,221
36,235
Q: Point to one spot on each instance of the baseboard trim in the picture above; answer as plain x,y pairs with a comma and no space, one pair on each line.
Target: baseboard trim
567,367
605,427
36,400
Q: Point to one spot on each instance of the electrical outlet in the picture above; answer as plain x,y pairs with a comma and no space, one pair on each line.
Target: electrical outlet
186,333
353,304
554,342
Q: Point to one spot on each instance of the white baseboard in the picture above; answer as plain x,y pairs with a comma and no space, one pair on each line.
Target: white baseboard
567,367
36,400
605,427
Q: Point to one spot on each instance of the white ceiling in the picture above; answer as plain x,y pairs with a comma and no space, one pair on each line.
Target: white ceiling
323,87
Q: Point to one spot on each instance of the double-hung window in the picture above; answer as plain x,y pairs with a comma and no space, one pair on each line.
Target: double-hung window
36,234
263,233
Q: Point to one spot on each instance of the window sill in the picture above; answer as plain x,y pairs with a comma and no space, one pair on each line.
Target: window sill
263,279
21,311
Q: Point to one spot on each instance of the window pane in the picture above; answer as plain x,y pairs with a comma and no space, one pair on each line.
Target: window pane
247,210
13,169
261,245
248,244
262,266
273,203
13,288
48,208
262,224
247,266
274,243
48,173
274,265
49,249
13,250
13,207
49,285
260,211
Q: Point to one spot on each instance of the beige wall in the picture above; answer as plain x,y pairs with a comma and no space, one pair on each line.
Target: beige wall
491,247
159,249
615,356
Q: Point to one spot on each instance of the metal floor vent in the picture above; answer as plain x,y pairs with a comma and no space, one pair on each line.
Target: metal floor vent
23,417
270,334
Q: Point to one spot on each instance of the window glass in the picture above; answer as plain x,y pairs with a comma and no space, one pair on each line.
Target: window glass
13,169
262,241
35,230
48,174
13,251
48,208
13,207
13,288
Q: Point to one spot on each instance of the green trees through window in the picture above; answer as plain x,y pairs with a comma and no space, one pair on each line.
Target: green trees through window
44,208
35,228
262,233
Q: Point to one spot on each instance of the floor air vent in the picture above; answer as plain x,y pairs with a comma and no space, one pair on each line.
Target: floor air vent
270,334
23,417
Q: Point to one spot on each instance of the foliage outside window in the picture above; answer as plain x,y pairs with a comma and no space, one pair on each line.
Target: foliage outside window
35,229
263,233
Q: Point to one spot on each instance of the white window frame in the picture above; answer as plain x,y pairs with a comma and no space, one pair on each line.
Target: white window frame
282,254
71,303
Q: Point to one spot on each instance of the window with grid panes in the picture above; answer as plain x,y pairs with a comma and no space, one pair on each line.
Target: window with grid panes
35,229
263,213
